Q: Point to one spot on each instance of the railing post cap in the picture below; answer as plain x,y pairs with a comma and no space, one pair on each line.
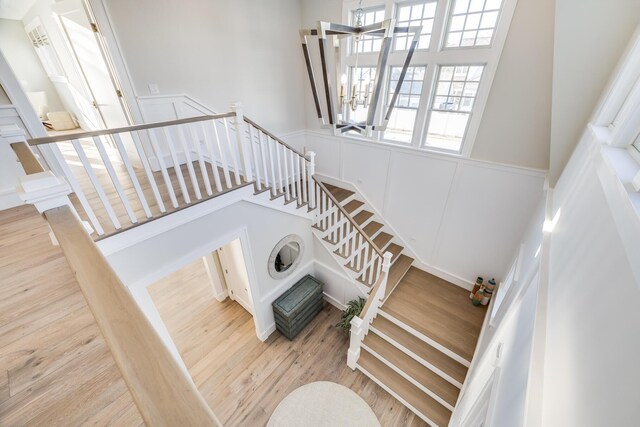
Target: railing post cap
44,190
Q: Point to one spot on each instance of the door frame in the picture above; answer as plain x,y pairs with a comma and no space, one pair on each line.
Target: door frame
231,295
242,234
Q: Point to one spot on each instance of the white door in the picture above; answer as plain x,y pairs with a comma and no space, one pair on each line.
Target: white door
92,62
235,274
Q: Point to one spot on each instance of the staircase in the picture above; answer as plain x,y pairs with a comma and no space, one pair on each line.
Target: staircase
417,334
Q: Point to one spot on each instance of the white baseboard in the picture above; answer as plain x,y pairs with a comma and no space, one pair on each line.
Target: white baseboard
264,335
334,302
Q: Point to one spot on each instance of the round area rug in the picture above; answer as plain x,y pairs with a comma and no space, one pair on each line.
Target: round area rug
323,404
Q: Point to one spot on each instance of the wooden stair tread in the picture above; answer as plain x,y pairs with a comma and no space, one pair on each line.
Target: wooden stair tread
429,354
382,240
411,394
372,228
362,217
397,271
423,375
341,194
353,205
395,250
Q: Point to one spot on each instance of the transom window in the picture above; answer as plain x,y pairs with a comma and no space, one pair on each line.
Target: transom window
403,116
415,14
447,84
472,22
368,43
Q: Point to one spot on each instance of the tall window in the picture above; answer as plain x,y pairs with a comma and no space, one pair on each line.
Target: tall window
472,22
403,117
456,91
412,14
368,43
447,84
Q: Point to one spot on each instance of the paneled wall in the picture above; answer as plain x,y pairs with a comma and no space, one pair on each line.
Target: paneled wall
461,217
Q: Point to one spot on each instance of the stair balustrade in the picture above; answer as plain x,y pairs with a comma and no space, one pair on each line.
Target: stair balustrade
126,176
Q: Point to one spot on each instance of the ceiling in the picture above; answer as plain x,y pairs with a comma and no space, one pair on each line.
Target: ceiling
15,9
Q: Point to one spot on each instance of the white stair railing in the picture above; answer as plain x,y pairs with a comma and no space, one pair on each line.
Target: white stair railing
360,324
126,176
361,255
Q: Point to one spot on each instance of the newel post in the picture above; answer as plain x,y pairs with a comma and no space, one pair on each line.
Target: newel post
312,183
355,339
244,144
386,265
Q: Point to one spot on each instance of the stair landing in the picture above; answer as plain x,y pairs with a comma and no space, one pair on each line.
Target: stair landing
437,309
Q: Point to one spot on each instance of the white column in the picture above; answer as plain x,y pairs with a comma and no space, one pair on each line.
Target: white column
312,183
243,143
356,337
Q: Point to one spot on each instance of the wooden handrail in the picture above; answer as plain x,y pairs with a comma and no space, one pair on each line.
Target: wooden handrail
374,291
275,138
90,134
29,162
348,216
163,392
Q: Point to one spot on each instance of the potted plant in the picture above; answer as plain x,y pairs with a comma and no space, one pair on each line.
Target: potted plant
354,308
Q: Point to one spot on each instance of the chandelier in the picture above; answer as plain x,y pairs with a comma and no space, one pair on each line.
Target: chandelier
368,94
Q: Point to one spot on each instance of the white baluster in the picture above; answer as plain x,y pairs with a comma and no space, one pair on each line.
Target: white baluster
287,177
274,185
263,156
303,178
96,183
296,159
193,136
208,140
245,148
223,156
77,189
176,165
184,142
132,175
232,152
312,172
147,170
163,167
256,163
114,179
278,164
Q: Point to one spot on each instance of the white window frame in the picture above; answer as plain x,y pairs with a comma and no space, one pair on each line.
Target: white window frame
486,55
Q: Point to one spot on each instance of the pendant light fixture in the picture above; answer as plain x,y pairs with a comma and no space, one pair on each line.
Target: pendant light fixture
338,96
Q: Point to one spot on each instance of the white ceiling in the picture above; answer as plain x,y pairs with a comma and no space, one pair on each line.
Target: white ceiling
15,9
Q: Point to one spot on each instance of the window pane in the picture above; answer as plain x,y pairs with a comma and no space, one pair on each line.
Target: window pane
472,23
403,117
446,130
416,14
368,43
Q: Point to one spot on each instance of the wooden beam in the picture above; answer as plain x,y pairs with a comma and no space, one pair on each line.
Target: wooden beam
164,394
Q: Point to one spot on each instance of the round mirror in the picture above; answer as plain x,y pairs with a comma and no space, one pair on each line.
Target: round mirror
285,256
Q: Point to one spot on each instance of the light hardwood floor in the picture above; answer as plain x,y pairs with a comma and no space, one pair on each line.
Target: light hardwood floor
244,379
55,368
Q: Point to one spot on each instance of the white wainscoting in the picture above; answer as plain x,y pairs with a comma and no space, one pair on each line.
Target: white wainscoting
460,217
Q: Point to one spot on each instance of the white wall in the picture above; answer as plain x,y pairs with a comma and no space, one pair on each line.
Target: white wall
590,37
591,364
462,217
516,121
217,52
22,58
167,252
511,330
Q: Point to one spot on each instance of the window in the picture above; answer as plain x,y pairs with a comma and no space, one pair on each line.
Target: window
42,44
361,79
415,14
368,44
472,22
447,85
451,105
403,117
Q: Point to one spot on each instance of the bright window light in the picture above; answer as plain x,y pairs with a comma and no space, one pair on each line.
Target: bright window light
414,14
368,44
472,23
403,117
451,106
361,79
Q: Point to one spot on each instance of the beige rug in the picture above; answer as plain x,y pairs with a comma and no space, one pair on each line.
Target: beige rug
323,404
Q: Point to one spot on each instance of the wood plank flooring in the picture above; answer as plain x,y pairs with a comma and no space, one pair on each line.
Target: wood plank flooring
244,379
438,309
55,368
